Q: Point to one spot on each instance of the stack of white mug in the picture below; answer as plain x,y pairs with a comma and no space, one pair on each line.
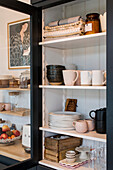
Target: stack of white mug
84,78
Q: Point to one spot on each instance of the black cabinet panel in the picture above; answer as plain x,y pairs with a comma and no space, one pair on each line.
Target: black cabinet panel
34,168
39,167
109,85
48,3
2,166
7,161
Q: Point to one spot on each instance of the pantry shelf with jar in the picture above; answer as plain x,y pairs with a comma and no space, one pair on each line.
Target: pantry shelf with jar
73,68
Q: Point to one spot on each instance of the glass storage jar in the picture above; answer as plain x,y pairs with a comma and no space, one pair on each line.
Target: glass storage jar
24,79
92,23
14,100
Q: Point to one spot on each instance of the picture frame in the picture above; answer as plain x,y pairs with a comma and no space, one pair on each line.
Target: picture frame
71,105
18,36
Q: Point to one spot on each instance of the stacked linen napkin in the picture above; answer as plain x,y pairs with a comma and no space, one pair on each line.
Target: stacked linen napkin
63,28
64,21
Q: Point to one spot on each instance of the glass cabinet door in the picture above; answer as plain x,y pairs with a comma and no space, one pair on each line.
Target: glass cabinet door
17,149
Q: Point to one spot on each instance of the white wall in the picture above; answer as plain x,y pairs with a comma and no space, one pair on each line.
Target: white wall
7,16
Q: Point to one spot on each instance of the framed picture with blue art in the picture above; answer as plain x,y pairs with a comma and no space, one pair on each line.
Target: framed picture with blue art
19,44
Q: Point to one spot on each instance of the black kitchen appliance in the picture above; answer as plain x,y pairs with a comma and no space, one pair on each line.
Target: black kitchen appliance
100,120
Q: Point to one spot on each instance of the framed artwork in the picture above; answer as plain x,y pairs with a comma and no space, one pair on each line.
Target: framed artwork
19,44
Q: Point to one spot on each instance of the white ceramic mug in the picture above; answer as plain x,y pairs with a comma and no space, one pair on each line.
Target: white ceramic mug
70,77
78,82
86,78
91,124
98,78
81,126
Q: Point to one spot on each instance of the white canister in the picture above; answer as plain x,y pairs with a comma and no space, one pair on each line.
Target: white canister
26,136
98,78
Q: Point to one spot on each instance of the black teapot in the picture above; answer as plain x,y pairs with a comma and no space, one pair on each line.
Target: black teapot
100,120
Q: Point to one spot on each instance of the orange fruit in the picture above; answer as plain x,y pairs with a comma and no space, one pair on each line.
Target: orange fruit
13,136
9,137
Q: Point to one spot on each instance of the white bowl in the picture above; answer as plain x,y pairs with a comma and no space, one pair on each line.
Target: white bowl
70,156
70,153
71,160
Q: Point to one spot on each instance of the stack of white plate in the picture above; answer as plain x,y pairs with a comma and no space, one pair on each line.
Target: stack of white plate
63,120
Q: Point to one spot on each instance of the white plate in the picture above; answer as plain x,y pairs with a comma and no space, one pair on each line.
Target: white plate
59,128
60,125
66,113
63,120
58,116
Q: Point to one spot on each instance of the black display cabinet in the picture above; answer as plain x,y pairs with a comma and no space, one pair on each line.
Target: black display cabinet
35,11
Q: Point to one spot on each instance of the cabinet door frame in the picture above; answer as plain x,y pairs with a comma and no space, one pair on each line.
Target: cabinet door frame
109,69
48,3
109,85
36,79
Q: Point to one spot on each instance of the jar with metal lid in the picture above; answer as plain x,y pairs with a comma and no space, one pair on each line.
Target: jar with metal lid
92,23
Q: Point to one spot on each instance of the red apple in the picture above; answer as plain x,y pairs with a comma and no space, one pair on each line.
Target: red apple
1,137
4,136
16,133
5,128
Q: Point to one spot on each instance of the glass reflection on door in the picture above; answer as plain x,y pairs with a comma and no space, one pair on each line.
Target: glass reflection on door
15,135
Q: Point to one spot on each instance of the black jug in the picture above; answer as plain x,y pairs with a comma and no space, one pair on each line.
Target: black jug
100,120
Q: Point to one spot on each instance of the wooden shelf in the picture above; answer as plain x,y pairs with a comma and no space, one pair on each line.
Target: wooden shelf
73,87
55,165
15,151
25,112
90,135
76,42
14,89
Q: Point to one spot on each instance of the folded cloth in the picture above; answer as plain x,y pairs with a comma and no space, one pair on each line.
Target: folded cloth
69,20
65,30
64,27
53,24
64,21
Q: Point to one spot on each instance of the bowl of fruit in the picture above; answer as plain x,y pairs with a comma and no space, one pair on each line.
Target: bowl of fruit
7,136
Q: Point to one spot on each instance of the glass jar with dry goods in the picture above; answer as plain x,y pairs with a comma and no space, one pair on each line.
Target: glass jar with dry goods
25,79
14,100
92,23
